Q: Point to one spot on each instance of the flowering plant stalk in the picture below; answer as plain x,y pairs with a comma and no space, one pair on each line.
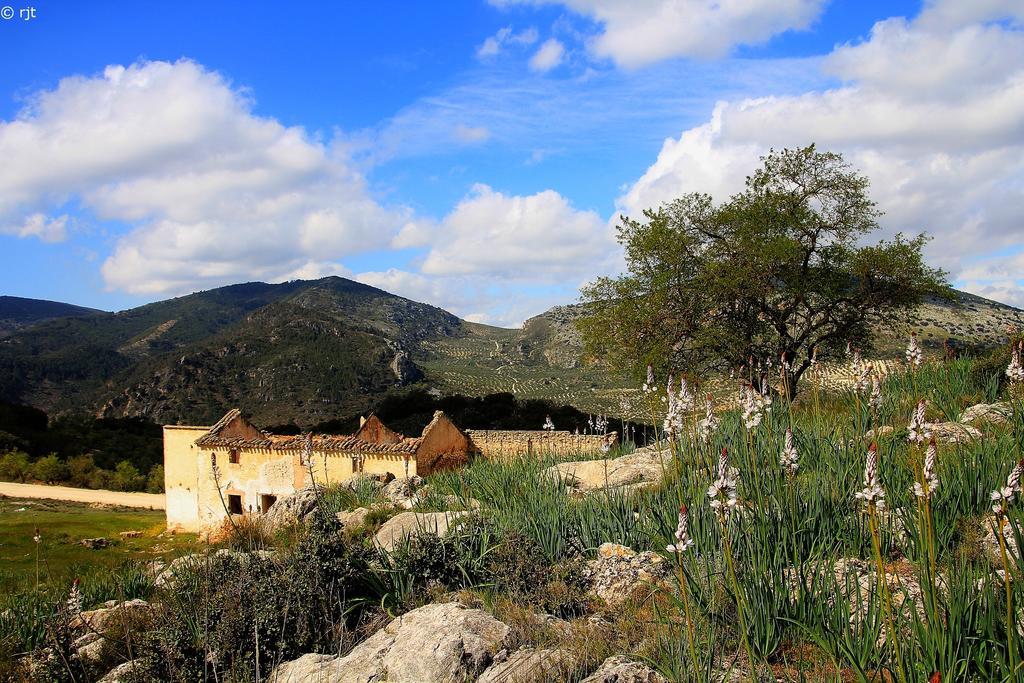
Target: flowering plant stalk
683,543
725,501
1001,499
873,498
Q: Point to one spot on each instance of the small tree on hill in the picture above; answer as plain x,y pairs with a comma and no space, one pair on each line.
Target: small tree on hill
776,271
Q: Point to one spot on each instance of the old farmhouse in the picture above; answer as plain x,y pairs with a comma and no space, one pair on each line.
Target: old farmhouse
234,467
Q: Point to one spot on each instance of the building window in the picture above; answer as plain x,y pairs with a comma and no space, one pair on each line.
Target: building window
235,504
266,502
233,456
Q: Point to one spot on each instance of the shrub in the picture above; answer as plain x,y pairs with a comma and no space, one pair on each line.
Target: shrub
81,469
127,477
155,480
50,469
14,466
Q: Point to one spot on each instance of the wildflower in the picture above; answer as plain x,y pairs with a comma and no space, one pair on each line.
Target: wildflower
857,364
917,430
790,457
863,378
37,537
849,349
683,539
649,387
590,423
913,352
722,490
74,601
814,357
549,426
754,404
1015,370
875,402
929,476
602,424
872,494
709,425
1003,496
673,425
685,396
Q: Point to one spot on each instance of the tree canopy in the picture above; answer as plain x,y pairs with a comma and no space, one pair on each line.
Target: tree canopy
778,270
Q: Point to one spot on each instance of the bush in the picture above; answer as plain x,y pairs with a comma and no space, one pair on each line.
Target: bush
50,469
127,477
14,466
155,480
81,469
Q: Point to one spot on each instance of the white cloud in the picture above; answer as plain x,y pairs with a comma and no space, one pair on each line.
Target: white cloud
548,56
500,258
215,194
642,32
40,226
493,45
930,110
539,237
471,134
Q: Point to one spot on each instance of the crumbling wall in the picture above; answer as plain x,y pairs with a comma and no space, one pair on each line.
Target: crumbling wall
499,444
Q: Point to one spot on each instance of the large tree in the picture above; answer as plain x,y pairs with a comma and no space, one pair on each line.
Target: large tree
778,269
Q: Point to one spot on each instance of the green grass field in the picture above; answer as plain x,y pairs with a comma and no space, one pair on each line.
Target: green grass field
60,557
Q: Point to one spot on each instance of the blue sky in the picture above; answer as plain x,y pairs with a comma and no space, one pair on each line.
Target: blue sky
473,154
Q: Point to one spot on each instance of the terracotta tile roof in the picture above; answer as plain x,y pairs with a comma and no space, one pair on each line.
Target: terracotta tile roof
321,442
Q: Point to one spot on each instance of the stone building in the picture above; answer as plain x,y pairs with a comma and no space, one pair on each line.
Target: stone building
235,466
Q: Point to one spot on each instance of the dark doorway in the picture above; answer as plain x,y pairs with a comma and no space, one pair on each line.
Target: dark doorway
234,504
266,501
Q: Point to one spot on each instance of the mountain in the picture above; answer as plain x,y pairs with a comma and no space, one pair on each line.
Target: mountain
314,351
305,350
17,313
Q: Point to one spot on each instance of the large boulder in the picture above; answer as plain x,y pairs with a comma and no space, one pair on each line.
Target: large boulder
993,413
640,469
291,510
619,573
620,669
952,432
400,527
530,665
101,619
403,491
193,561
990,543
123,673
440,643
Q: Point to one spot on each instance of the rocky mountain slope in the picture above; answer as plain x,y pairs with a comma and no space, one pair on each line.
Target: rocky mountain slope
309,351
17,313
299,350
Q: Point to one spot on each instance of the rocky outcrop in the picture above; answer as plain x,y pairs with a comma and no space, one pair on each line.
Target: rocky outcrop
619,573
952,432
440,643
101,619
640,469
400,527
351,519
192,561
992,413
620,669
404,492
530,665
990,543
291,510
123,673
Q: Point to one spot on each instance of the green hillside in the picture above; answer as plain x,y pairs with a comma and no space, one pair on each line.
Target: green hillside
313,351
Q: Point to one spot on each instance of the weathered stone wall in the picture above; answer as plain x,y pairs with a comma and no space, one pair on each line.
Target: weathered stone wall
498,444
181,479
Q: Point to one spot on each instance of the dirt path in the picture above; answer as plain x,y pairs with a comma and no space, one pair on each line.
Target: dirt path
154,501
